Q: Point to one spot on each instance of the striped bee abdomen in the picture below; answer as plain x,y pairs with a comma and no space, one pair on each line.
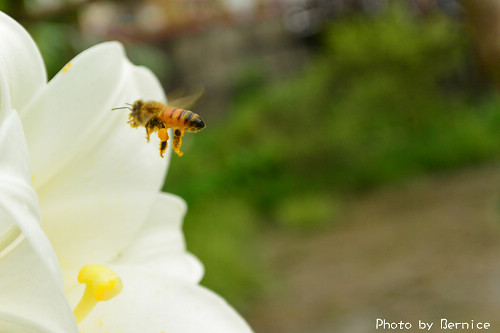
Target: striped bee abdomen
182,119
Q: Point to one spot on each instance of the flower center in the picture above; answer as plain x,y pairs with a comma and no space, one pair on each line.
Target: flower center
102,284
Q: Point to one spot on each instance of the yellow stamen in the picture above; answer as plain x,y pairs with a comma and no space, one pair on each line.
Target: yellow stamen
102,284
66,68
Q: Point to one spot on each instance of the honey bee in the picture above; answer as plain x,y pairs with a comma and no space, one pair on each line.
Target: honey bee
158,117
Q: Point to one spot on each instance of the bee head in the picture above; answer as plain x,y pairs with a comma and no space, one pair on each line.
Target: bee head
136,113
137,106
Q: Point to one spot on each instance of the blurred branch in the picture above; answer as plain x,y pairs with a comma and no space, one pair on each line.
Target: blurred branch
484,19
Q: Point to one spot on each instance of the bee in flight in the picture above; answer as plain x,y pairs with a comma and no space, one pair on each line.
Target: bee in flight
158,117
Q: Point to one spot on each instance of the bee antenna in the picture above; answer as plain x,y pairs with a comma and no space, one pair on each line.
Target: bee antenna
129,104
122,107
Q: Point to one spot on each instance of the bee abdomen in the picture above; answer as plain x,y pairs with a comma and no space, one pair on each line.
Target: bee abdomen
184,119
196,123
180,116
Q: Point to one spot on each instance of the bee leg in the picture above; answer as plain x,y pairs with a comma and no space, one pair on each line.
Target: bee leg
149,130
178,141
163,136
131,121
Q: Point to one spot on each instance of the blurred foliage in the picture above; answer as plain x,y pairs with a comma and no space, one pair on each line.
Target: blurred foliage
220,233
387,97
53,40
306,211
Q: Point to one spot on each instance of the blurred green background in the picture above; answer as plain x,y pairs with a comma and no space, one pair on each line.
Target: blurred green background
309,106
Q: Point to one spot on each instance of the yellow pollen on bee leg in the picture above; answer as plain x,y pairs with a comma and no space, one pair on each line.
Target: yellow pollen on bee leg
102,284
163,134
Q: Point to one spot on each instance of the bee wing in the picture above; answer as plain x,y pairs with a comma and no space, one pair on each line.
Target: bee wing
186,101
146,118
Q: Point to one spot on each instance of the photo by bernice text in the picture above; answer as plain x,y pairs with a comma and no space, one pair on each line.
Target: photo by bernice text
442,324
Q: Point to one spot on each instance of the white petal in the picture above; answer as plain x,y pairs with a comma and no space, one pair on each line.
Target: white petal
5,104
96,177
20,61
18,201
150,304
160,246
30,284
32,300
13,323
14,163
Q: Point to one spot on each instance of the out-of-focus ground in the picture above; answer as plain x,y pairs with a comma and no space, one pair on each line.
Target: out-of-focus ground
424,250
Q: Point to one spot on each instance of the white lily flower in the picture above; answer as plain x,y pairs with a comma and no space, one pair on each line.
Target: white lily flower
33,298
98,184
